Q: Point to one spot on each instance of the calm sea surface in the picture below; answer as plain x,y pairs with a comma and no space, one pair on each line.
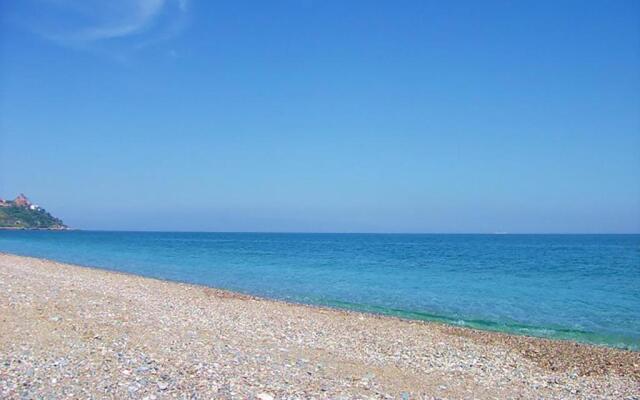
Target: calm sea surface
580,287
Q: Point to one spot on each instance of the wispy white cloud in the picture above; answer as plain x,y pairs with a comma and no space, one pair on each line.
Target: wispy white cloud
96,24
141,15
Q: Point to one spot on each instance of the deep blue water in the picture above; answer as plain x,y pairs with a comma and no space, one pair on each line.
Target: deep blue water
580,287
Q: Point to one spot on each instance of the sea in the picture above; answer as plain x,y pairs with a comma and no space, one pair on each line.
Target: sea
584,288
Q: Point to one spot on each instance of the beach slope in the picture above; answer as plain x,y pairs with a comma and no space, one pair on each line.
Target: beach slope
75,332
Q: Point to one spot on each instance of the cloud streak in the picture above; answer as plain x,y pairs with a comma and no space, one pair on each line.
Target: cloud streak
143,14
97,24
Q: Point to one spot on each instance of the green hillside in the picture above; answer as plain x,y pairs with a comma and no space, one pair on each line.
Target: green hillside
21,217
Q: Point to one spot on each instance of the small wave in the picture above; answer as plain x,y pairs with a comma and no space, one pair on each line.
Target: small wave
560,333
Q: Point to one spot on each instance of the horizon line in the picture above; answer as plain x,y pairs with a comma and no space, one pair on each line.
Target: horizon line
330,233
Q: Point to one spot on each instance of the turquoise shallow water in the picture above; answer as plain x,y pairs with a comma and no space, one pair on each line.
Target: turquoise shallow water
579,287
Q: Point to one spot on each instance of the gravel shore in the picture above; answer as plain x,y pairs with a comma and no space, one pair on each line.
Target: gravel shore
76,332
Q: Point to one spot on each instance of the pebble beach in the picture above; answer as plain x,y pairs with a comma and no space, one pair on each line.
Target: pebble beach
75,332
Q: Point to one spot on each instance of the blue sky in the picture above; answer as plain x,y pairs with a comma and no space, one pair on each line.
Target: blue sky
324,116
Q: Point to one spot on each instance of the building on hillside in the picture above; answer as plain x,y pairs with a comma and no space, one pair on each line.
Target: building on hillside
22,201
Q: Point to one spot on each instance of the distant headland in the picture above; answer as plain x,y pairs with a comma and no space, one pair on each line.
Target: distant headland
21,213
